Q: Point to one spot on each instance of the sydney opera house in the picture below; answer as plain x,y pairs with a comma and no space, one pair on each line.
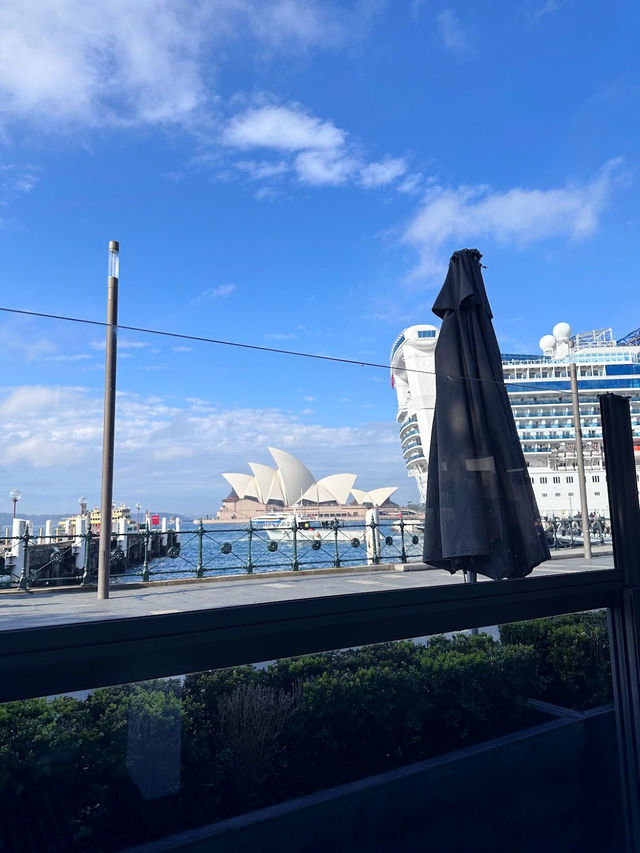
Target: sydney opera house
291,484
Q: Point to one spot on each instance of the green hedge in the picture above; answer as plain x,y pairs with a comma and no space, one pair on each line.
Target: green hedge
84,774
572,657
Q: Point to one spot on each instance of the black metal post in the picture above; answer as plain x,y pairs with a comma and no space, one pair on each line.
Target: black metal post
624,616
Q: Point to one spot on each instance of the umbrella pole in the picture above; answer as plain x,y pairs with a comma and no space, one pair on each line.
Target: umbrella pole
471,577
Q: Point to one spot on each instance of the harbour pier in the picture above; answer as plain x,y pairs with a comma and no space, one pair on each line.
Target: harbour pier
70,556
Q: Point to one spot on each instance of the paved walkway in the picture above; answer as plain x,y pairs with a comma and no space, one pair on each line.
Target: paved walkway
19,610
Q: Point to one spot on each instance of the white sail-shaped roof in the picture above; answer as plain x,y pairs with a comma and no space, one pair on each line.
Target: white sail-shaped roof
335,487
264,476
243,485
379,496
276,493
295,478
376,497
291,481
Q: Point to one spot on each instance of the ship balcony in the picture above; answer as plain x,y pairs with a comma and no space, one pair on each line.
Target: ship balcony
410,429
412,449
412,420
409,438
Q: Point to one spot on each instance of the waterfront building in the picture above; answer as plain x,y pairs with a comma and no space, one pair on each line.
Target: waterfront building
291,486
117,512
68,525
540,395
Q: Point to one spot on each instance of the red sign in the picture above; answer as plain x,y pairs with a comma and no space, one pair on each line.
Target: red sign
155,520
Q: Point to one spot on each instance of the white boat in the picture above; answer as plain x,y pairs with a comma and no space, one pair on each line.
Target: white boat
411,525
309,530
268,519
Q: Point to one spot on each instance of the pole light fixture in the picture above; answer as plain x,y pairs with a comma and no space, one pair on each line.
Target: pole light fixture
561,343
15,496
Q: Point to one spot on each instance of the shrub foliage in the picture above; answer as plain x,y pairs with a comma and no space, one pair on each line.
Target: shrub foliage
128,764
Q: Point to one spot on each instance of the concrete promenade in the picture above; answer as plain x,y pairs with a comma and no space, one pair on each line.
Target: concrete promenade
20,610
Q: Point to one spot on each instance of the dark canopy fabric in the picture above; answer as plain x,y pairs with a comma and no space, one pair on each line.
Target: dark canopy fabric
481,513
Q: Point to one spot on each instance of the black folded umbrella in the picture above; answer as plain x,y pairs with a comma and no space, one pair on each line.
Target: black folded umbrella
481,513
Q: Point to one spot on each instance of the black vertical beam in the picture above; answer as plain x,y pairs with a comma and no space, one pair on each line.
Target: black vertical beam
622,485
624,617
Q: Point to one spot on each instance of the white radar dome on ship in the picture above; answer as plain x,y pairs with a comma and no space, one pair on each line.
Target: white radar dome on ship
547,343
562,331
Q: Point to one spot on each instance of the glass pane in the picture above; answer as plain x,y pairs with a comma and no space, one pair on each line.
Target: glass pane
518,714
268,473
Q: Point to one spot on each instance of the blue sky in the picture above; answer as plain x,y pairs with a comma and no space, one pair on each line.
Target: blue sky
292,174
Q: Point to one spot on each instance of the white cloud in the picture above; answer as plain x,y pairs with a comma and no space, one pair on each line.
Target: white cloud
24,345
166,453
100,63
316,151
284,128
211,293
412,184
16,180
78,357
259,171
548,8
287,24
516,216
451,32
181,349
379,174
111,62
319,167
123,343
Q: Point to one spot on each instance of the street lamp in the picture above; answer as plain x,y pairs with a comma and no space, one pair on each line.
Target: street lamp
15,496
561,343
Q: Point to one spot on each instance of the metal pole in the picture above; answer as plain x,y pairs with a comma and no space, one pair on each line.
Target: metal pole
145,564
249,558
584,512
294,563
104,548
200,565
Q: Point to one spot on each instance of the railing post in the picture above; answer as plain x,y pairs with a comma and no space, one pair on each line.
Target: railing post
145,565
249,558
403,552
24,574
336,559
372,537
200,564
87,558
294,563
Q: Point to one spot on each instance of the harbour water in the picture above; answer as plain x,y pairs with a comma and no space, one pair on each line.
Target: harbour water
232,551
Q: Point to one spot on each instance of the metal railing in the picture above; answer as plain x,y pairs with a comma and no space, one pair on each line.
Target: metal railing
244,548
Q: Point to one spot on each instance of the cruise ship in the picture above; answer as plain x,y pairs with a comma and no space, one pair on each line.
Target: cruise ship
539,391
